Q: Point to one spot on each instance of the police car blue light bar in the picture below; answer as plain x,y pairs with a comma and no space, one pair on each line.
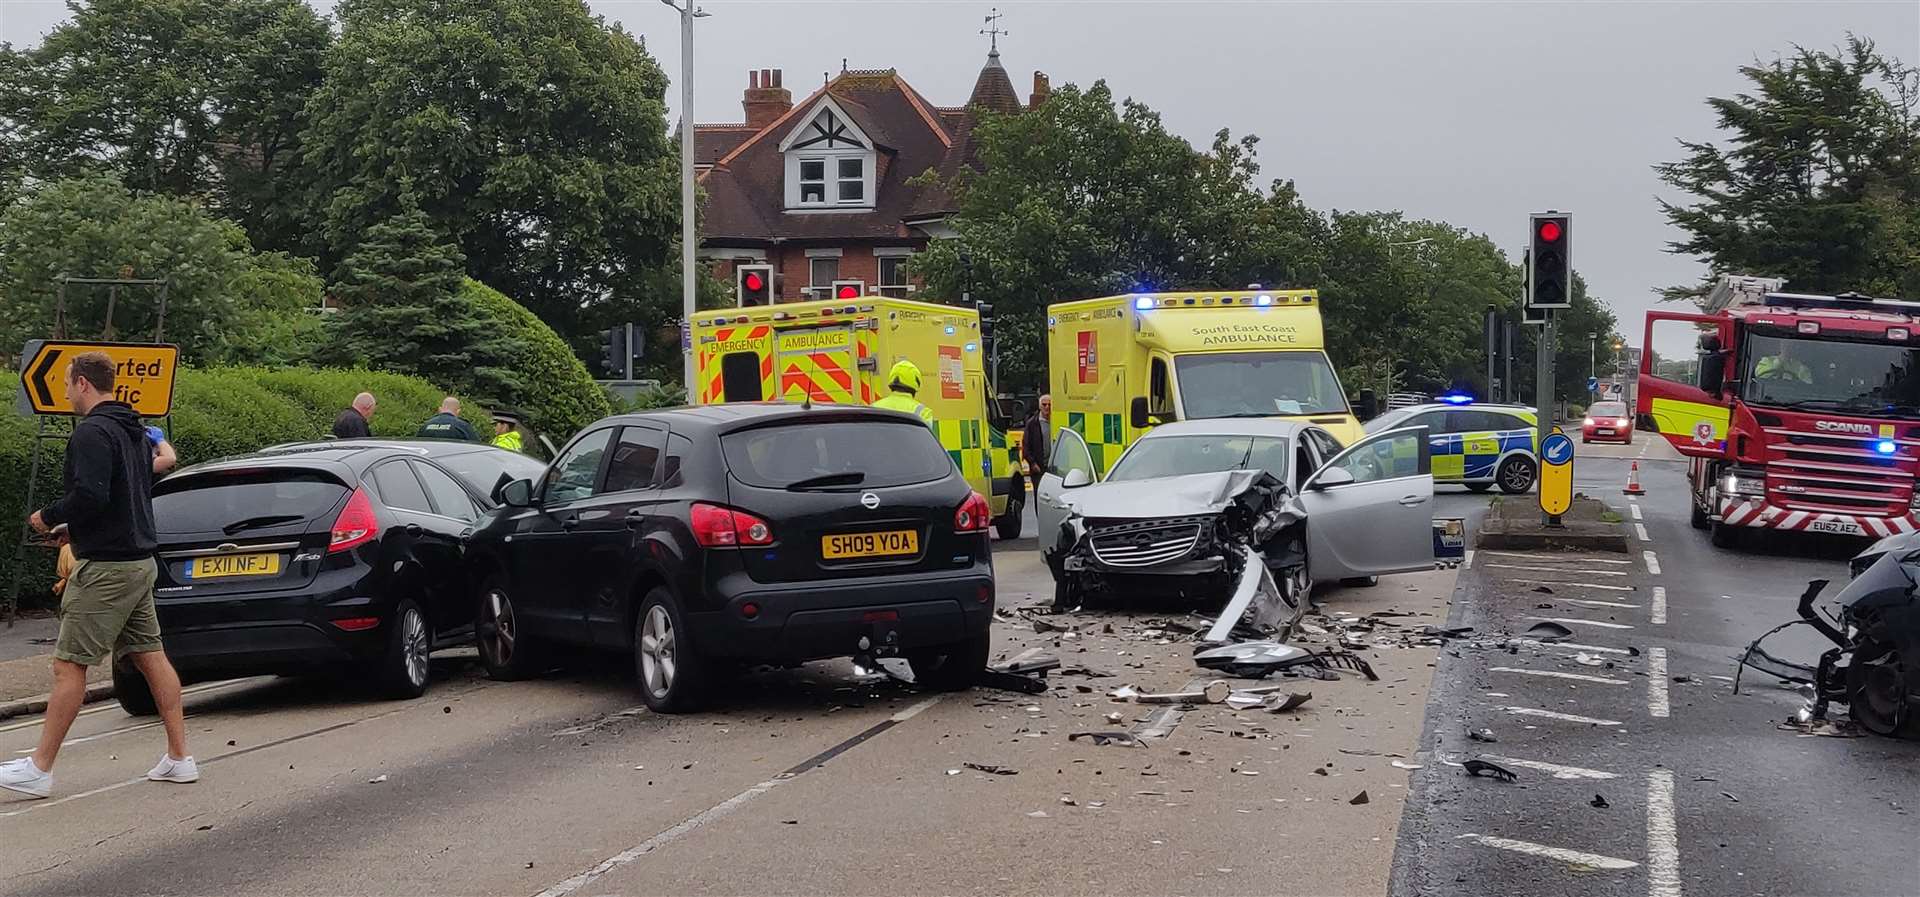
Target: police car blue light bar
1457,398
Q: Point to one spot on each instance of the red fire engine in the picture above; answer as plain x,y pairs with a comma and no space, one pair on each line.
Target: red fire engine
1802,412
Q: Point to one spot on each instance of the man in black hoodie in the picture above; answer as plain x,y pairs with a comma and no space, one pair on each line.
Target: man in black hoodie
107,607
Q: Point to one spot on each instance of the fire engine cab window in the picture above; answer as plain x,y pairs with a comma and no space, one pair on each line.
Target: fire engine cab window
740,377
1832,376
1258,383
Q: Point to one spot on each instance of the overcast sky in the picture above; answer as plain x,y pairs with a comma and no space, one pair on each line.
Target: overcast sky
1472,113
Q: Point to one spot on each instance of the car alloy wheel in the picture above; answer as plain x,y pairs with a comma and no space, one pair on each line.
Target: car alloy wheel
499,640
659,658
416,645
1516,476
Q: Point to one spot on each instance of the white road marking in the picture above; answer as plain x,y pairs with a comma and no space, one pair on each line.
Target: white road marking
1560,854
1635,508
1556,770
1556,674
1640,529
1584,585
1657,682
109,734
1663,837
1592,603
687,825
1535,555
1653,562
1560,569
1659,604
1570,646
1554,714
1576,621
1466,563
106,706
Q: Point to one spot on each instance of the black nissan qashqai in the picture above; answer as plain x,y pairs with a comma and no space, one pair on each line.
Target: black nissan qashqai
703,539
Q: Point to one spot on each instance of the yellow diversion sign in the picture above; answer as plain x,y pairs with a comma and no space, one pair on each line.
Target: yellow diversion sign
1556,473
143,375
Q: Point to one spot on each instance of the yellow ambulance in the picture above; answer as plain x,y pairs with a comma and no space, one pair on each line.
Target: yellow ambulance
1119,365
839,351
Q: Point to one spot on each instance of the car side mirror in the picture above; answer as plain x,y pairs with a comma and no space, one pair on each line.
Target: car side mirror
1076,478
1369,405
517,494
1137,413
1329,477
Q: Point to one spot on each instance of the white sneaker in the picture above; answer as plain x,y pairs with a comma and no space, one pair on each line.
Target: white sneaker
24,777
178,771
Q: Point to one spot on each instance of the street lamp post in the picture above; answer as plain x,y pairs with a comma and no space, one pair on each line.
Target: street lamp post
1593,355
688,13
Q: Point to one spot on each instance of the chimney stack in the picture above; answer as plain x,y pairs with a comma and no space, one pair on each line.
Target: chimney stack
765,100
1042,88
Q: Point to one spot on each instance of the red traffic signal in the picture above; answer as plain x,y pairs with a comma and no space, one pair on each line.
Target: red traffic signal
846,293
1550,231
753,281
849,289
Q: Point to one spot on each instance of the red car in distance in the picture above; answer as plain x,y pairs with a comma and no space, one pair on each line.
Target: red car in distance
1607,422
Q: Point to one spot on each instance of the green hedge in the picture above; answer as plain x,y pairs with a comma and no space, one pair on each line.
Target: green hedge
556,393
217,412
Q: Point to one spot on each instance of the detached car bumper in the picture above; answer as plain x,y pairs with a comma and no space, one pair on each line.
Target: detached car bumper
791,622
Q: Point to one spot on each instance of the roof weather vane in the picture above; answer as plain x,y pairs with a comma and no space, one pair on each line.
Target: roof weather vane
993,31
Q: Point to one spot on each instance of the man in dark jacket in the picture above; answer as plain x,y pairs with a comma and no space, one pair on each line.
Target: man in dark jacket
1037,441
448,424
352,423
107,607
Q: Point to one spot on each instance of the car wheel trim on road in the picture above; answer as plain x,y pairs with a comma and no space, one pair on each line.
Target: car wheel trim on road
658,661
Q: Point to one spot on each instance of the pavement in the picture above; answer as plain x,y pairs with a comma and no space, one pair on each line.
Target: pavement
1640,771
800,782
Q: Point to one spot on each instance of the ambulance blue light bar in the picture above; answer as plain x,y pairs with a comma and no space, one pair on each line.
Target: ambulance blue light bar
1457,398
1263,300
1143,302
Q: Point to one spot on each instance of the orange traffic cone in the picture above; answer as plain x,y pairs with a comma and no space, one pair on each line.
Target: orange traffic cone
1633,481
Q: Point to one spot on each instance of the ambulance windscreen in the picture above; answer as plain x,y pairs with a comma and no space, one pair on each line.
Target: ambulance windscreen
1246,384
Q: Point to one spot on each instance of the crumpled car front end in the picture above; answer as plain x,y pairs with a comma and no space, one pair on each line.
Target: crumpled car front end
1190,536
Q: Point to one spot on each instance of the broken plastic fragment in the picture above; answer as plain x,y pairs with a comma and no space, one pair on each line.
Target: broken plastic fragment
1102,739
1599,802
1288,702
1485,735
1359,799
991,769
1548,631
1491,770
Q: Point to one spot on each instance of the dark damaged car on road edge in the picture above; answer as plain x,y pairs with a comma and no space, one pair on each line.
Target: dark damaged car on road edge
703,540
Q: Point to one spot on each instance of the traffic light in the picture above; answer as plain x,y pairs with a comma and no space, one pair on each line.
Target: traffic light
755,285
615,352
1550,260
849,289
986,325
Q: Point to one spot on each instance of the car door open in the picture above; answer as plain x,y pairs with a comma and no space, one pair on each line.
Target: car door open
1070,456
1370,509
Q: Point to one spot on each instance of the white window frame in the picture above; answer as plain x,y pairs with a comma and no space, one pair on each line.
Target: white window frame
896,290
821,289
828,136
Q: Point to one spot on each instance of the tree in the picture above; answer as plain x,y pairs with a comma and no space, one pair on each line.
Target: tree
1818,180
226,303
1081,198
532,133
402,304
193,98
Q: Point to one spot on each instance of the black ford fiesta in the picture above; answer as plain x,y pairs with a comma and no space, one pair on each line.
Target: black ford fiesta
698,539
319,558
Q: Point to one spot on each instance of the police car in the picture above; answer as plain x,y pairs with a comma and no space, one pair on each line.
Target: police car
1477,446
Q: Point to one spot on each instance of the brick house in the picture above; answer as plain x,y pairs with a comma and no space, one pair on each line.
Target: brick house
820,188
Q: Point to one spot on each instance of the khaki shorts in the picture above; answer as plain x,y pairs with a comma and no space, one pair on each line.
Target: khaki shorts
107,611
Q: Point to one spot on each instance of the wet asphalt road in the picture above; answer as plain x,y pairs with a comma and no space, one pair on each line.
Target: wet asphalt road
1704,794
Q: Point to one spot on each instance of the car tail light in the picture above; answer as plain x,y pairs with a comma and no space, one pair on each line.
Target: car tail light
973,516
718,527
357,524
357,624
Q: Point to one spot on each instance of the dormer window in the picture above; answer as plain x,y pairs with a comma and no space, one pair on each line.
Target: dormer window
829,162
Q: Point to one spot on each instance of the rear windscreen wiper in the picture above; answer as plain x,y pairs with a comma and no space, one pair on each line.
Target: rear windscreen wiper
257,522
850,478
